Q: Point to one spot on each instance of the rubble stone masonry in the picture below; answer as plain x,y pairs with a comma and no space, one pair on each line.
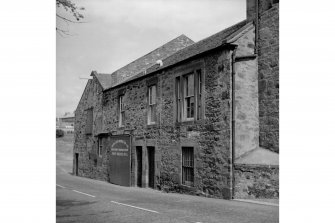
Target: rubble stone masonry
210,136
268,68
256,181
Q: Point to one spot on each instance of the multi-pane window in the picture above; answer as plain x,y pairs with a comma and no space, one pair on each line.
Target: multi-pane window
199,94
178,99
187,166
121,111
152,104
99,146
189,96
89,121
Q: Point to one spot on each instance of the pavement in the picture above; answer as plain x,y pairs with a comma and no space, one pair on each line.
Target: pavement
80,199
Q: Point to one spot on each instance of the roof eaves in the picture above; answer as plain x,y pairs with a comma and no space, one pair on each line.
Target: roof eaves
143,74
224,43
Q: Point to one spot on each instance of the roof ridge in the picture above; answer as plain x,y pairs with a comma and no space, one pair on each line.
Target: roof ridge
222,31
228,31
206,38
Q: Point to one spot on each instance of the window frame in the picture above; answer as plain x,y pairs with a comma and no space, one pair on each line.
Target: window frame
100,146
187,98
198,71
122,115
152,105
190,168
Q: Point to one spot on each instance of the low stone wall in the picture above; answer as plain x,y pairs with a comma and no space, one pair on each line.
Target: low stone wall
256,181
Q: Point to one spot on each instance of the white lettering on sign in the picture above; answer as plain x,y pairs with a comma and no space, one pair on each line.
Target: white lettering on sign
119,151
119,154
120,141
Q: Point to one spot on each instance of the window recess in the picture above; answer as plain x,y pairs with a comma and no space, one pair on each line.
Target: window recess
187,166
189,96
152,114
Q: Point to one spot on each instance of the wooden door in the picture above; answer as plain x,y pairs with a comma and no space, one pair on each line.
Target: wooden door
151,166
139,165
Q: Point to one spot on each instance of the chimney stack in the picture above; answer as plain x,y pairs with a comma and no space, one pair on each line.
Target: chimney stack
258,6
251,9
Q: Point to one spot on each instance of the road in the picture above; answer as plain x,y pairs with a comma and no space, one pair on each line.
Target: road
81,199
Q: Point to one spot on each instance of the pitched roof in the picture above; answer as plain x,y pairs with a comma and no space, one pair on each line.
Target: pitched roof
197,48
142,63
149,59
104,79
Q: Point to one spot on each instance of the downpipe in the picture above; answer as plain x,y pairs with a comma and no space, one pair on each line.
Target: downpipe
232,150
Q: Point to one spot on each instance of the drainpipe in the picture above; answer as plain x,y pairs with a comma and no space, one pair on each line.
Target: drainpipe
232,151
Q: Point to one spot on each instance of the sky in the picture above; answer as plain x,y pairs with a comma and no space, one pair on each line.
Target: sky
117,32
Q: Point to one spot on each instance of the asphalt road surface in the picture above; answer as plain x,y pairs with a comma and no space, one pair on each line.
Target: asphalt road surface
81,199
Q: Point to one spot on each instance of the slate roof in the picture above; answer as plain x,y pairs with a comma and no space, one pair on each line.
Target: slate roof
142,63
197,48
104,79
183,49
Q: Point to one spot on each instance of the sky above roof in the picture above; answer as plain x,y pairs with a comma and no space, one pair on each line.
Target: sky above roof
116,32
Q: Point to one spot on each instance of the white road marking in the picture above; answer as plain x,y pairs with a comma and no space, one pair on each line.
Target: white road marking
60,186
144,209
62,169
83,193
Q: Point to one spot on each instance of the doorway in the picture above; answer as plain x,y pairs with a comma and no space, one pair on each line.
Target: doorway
139,165
151,166
76,163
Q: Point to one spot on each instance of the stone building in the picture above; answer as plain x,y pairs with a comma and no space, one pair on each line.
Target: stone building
198,118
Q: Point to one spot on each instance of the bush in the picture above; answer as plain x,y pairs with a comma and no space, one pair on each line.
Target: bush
59,133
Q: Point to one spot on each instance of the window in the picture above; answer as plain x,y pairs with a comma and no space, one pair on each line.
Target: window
121,111
152,104
187,166
199,94
89,121
99,146
189,96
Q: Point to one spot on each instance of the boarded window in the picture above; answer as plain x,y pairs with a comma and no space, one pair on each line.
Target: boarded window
89,121
152,104
100,146
187,166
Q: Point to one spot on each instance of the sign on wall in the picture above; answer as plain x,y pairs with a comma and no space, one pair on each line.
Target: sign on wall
119,160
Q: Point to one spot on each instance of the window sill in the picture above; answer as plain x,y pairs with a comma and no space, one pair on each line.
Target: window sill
152,125
189,122
187,187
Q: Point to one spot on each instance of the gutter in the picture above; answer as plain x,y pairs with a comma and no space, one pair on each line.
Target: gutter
150,71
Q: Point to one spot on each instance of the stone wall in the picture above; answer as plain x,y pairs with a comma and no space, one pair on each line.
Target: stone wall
256,181
90,164
246,95
268,65
210,137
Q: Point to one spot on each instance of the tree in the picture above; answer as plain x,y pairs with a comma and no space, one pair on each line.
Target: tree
71,9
